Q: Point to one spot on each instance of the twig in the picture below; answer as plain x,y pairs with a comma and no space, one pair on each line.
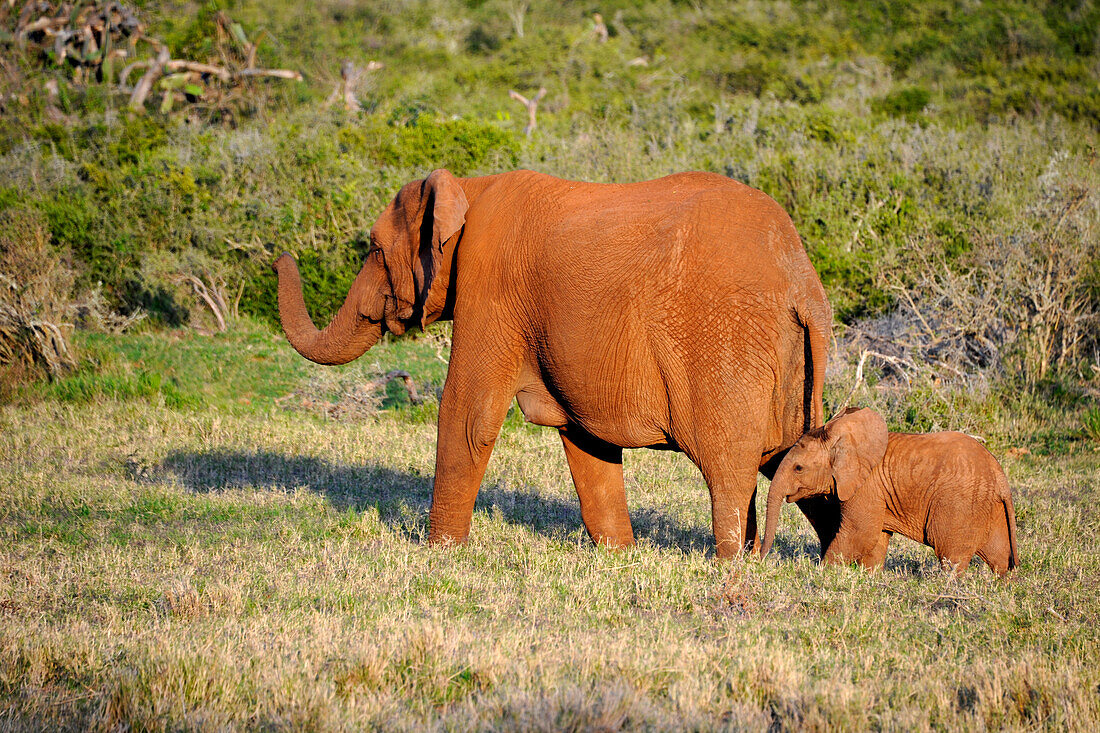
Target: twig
406,380
211,295
180,64
532,106
145,84
599,28
349,79
517,10
122,77
859,374
277,73
620,567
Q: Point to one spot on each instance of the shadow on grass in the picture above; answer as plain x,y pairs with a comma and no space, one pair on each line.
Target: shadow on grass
402,499
787,547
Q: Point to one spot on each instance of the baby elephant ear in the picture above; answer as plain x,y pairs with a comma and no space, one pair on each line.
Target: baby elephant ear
857,444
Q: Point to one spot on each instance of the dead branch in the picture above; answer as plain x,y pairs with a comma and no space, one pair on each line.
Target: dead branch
859,374
599,28
532,106
277,73
349,80
182,65
212,295
34,340
250,55
406,380
124,75
93,35
356,400
517,11
145,84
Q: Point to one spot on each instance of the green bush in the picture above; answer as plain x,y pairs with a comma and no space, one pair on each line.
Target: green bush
1090,423
462,146
85,387
815,108
907,102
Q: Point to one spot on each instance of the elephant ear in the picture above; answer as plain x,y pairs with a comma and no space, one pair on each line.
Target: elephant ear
435,211
857,444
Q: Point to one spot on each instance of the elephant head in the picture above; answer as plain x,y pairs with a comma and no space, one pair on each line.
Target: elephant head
832,460
397,287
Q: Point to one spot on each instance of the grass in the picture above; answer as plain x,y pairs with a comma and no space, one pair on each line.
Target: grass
222,565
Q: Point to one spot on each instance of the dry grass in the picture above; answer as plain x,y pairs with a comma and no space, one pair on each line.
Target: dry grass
164,570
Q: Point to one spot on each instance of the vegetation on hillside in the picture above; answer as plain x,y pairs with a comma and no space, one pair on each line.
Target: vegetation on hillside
929,154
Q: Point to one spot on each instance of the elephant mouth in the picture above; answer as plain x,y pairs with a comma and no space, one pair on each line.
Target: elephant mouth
799,493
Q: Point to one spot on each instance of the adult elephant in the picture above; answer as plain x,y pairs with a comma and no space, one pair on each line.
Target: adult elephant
680,313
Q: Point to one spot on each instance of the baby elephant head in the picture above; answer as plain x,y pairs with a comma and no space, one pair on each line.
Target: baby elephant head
837,458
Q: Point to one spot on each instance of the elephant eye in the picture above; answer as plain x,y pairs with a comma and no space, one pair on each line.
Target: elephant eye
798,469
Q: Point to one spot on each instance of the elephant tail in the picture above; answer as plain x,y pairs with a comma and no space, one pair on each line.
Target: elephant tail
816,322
1010,517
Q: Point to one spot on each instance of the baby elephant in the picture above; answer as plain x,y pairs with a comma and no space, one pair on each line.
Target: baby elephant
942,489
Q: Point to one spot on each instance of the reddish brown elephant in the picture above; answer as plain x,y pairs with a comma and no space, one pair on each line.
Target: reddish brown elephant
942,489
680,313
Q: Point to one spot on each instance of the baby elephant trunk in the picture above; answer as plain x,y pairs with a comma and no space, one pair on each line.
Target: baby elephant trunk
781,488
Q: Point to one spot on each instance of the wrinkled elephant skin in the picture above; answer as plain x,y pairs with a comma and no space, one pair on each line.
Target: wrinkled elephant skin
680,313
941,489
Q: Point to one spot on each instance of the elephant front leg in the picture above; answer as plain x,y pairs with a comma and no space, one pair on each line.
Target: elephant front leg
597,470
878,556
469,422
860,539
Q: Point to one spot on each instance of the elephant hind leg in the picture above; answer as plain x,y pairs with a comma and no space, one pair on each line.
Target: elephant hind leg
955,559
997,550
597,470
877,556
731,478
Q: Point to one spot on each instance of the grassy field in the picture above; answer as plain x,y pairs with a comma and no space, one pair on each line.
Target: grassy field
238,561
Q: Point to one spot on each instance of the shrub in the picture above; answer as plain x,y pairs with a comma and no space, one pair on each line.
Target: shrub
87,386
1090,423
462,146
907,102
1022,304
36,283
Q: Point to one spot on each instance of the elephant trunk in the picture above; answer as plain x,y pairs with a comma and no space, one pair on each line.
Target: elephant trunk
781,488
346,337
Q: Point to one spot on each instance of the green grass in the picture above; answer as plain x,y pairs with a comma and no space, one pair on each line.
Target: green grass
254,566
244,370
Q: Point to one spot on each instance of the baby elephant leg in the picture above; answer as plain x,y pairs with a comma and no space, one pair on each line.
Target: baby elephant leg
869,553
957,529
